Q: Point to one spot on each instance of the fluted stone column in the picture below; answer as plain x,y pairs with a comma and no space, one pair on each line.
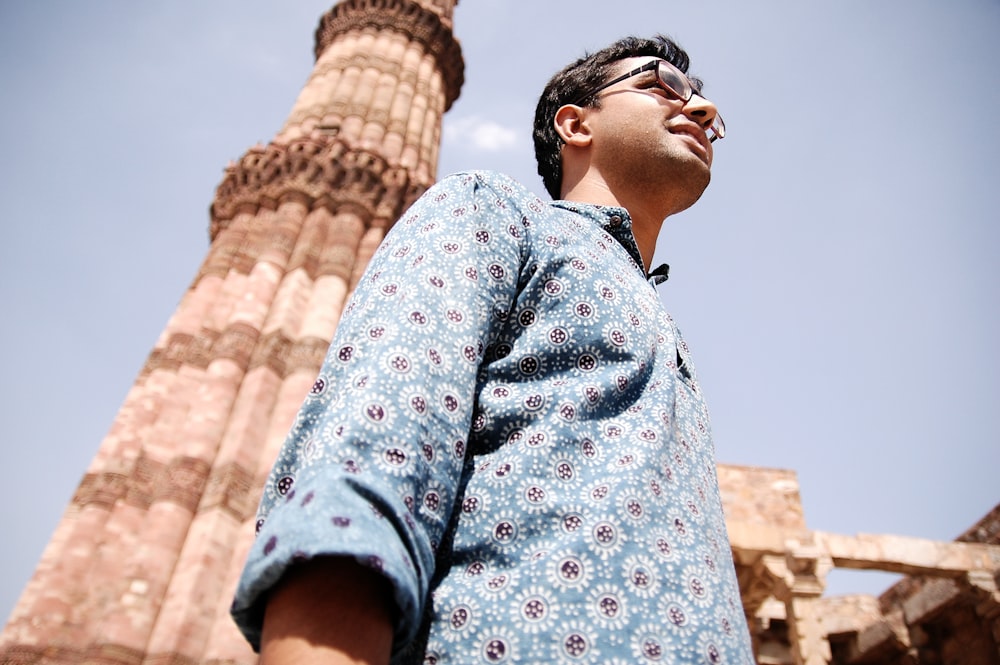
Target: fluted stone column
142,567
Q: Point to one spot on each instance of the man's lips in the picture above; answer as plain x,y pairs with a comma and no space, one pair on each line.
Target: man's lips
695,133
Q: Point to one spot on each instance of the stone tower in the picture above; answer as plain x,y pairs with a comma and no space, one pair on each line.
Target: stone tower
142,565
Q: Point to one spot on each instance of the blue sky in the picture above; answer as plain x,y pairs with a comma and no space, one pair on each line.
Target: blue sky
838,282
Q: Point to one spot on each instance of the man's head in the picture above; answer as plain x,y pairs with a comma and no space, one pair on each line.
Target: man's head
583,83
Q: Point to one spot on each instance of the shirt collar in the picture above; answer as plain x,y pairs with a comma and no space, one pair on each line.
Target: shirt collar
618,224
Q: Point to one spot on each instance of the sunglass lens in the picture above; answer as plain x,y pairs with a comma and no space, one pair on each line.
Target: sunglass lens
674,80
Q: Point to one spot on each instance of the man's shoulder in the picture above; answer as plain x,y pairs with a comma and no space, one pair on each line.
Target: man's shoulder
481,199
493,182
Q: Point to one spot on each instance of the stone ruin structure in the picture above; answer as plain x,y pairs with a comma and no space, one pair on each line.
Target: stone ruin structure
142,566
945,611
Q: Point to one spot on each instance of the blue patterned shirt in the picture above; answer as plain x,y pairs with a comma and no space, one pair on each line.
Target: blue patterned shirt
509,428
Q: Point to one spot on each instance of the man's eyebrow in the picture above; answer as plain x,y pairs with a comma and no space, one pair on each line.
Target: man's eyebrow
646,76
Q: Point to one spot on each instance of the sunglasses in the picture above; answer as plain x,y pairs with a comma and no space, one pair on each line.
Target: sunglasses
670,79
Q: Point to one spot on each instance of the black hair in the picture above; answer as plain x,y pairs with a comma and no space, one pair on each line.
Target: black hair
570,84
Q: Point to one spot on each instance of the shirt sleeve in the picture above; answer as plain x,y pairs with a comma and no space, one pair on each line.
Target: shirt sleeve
372,465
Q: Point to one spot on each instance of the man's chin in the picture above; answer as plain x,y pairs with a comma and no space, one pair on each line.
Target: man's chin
696,186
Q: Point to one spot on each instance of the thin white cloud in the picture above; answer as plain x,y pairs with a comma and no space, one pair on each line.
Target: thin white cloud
480,134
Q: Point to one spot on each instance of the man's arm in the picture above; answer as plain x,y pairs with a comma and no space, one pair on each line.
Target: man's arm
372,467
331,611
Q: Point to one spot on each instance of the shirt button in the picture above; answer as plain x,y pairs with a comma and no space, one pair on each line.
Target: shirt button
616,221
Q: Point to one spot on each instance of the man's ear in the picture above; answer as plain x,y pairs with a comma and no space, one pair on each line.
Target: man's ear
571,125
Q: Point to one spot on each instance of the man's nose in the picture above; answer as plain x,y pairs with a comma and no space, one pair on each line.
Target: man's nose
701,111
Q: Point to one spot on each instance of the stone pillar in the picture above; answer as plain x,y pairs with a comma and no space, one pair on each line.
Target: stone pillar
983,584
142,567
799,579
756,587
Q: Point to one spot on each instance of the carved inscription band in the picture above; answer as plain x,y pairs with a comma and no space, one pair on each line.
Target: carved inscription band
324,170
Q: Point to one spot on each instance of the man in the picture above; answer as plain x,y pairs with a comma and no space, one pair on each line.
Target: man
506,457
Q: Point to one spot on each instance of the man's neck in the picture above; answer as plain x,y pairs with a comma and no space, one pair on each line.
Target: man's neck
645,214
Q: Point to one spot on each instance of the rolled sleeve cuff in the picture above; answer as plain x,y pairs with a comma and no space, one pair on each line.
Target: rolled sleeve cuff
317,520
